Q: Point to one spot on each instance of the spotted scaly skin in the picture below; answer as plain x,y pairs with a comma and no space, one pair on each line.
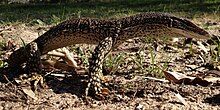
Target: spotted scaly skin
107,35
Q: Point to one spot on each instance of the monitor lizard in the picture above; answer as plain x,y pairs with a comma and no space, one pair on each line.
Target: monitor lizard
107,35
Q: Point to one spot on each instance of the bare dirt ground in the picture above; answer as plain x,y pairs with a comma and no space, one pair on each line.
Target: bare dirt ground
130,87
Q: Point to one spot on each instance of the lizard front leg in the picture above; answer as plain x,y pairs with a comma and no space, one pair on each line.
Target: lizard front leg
34,64
95,70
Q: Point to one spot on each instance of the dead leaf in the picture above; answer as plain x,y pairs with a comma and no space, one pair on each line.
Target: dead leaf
65,55
215,72
181,99
201,46
212,79
26,90
69,58
182,78
177,77
50,64
56,53
218,67
29,92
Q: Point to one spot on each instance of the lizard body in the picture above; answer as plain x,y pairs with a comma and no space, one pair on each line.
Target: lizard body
107,35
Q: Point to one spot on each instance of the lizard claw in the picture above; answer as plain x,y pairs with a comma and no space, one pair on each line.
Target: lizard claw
95,88
103,95
38,79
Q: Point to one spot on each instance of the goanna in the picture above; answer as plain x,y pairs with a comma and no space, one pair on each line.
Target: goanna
107,34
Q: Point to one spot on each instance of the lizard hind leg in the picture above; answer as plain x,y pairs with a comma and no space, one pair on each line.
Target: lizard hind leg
34,65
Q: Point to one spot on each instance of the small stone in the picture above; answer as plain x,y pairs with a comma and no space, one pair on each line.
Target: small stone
94,105
139,107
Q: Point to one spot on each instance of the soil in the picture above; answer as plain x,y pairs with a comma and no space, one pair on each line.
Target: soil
130,87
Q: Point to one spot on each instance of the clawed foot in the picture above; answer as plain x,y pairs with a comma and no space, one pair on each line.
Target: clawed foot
38,79
95,87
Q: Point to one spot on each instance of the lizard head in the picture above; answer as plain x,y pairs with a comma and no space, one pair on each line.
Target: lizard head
176,26
186,28
159,24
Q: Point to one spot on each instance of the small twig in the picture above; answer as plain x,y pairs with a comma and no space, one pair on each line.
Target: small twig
8,80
